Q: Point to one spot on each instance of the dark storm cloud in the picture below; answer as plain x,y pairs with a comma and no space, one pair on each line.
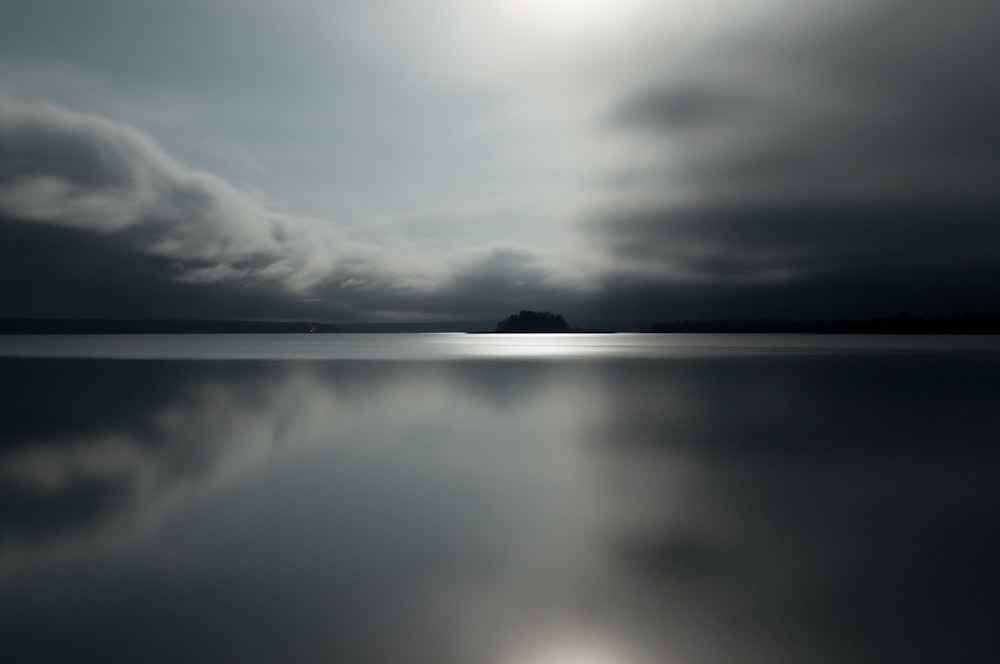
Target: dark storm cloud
95,219
901,91
837,259
49,270
845,168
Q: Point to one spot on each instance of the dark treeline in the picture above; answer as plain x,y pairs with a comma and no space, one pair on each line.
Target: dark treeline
540,321
533,321
154,326
902,324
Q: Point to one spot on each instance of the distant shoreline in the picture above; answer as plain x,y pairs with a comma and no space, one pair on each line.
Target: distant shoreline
960,324
158,326
902,324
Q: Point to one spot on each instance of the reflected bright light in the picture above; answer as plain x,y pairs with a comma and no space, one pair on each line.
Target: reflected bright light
545,345
573,649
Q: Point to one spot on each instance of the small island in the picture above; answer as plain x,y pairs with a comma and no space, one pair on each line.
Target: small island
533,321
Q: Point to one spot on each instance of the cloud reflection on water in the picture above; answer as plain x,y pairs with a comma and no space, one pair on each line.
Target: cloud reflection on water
726,509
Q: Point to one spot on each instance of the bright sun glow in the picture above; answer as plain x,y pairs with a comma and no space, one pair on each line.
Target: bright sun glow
560,10
568,17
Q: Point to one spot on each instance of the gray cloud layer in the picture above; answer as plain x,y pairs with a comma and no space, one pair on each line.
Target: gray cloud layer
88,201
97,220
847,168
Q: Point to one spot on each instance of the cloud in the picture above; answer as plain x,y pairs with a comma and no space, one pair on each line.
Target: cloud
846,165
891,99
76,171
98,220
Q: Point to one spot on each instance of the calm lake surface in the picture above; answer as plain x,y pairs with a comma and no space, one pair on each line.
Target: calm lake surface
577,499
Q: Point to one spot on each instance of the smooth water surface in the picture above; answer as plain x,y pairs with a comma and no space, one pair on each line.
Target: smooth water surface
606,499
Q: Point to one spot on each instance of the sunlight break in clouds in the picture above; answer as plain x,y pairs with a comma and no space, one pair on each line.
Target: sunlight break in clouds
561,21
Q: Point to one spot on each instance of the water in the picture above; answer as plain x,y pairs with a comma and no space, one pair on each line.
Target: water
608,499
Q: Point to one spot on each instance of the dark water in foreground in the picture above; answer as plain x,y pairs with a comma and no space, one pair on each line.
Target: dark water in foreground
446,499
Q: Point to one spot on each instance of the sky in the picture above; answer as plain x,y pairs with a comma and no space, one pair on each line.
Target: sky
612,160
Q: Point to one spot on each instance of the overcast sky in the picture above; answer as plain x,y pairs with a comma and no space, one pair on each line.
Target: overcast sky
445,159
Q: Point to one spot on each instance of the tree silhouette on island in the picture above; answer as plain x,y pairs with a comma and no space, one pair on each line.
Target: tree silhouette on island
534,321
